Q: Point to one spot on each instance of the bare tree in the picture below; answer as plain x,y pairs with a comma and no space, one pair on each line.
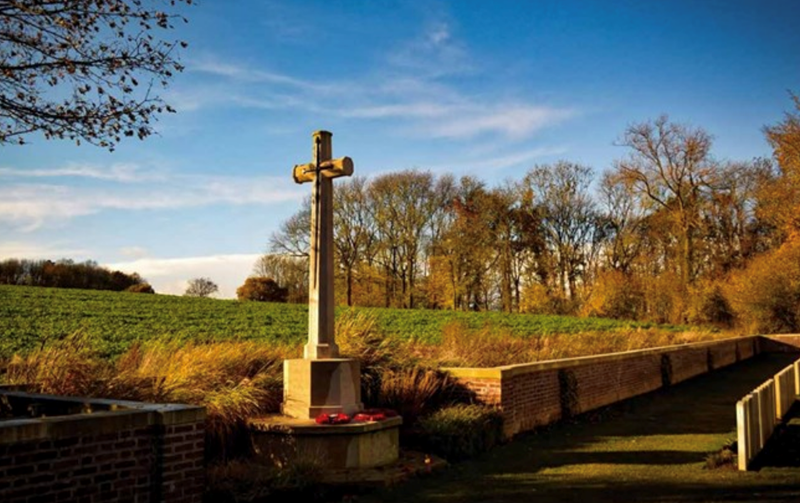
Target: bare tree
294,235
84,69
569,218
200,287
404,206
670,164
623,222
354,234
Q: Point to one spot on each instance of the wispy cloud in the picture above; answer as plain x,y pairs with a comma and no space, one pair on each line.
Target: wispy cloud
433,53
513,120
30,206
488,163
119,172
248,74
417,91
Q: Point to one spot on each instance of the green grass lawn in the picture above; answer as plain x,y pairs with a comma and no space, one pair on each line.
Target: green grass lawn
30,316
648,449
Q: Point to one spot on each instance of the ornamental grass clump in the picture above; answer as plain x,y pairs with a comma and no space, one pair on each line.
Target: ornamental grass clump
69,366
359,337
232,380
461,431
414,392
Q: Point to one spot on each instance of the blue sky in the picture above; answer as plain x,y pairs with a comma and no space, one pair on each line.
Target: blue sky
487,88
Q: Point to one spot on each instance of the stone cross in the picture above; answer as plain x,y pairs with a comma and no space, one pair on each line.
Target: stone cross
321,171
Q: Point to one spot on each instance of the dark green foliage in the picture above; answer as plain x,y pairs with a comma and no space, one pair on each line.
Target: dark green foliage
66,274
461,431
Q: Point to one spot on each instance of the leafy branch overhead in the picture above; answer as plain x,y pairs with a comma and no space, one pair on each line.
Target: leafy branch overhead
85,70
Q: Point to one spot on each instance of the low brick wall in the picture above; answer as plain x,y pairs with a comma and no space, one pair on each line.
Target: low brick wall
781,343
536,394
99,450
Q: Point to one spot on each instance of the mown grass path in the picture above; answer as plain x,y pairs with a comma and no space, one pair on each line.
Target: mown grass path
648,449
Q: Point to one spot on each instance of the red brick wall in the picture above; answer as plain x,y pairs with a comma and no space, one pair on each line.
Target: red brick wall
785,343
129,456
183,468
537,394
106,467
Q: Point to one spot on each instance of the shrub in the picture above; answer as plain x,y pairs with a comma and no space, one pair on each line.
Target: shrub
615,295
767,293
462,431
666,298
538,299
709,305
140,288
249,482
262,289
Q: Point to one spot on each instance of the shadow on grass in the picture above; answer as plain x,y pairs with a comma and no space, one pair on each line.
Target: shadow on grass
647,449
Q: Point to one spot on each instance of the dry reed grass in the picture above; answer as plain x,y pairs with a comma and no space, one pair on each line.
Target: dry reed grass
69,366
464,347
415,392
232,380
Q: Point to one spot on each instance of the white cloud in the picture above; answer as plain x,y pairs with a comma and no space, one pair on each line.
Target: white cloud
170,275
29,207
134,252
466,120
511,121
19,249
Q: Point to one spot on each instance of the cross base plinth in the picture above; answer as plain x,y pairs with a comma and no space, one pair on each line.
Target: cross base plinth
314,387
321,351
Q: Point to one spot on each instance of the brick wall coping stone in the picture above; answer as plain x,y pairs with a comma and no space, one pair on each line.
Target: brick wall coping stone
292,426
102,416
508,371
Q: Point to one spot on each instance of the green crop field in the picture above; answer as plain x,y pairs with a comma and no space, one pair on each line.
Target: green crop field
33,316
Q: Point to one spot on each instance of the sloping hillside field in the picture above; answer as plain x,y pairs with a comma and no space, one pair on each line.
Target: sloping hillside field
32,316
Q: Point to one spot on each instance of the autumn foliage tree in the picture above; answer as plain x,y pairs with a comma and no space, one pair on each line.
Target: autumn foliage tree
781,200
670,234
84,70
261,289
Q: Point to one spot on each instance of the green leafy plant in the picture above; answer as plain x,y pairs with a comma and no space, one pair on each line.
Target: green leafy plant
461,431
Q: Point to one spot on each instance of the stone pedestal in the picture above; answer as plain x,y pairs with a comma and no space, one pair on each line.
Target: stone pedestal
284,441
314,387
